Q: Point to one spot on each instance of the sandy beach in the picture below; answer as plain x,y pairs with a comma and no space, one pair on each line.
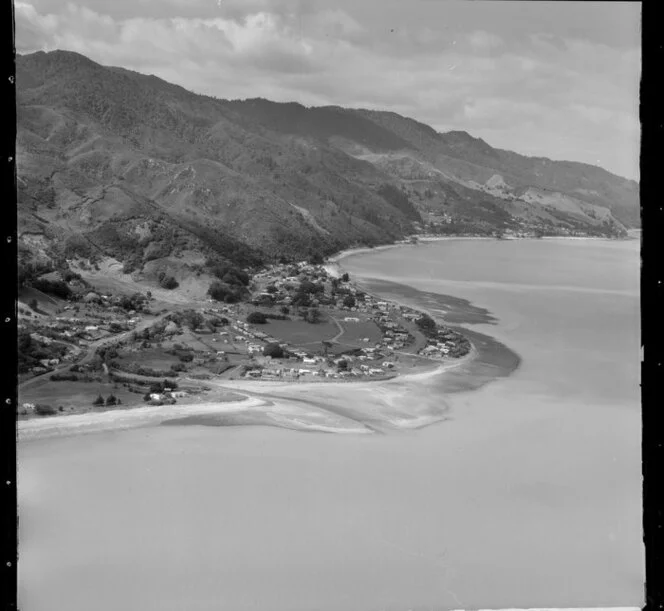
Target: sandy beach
281,404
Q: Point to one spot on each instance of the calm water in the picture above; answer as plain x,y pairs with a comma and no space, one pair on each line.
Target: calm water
528,496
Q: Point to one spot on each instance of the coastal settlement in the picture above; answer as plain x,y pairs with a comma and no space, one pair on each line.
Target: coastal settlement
85,350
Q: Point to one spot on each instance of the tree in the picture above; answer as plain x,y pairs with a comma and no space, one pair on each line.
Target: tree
98,401
111,400
33,304
306,286
24,341
285,310
271,289
257,318
274,350
44,410
349,301
220,291
313,315
301,299
345,277
426,324
168,282
194,320
342,365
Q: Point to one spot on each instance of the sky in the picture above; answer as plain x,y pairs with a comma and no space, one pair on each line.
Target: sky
551,79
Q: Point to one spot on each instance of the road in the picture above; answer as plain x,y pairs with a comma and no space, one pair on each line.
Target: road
90,351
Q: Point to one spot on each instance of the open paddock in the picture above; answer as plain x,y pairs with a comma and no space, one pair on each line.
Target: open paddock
355,332
150,358
299,332
77,397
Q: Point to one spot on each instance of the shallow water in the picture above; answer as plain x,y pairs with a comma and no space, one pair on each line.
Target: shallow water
528,495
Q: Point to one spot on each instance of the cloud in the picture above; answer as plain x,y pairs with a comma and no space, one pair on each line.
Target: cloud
521,80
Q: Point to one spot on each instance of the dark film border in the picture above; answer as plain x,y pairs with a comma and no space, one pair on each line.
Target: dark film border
8,323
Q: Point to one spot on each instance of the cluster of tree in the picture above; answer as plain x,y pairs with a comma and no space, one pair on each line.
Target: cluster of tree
349,301
220,291
166,281
274,316
109,401
427,325
77,246
160,387
397,198
312,315
274,350
132,262
115,240
28,270
42,409
227,272
190,318
136,302
52,287
306,291
31,352
257,318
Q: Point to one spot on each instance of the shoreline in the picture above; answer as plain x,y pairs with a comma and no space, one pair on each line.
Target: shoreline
258,405
130,417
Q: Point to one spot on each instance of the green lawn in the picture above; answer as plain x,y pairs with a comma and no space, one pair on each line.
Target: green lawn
355,332
298,332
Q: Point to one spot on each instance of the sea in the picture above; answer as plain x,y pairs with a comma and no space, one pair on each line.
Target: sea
527,494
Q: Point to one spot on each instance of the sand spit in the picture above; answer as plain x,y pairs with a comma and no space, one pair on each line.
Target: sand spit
357,408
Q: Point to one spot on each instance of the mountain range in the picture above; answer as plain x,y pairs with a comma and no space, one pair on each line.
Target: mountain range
113,163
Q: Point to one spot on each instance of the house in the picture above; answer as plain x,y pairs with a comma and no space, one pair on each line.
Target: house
388,364
375,371
304,371
351,319
155,396
309,361
253,373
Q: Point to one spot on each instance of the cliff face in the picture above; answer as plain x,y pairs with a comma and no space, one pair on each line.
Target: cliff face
127,165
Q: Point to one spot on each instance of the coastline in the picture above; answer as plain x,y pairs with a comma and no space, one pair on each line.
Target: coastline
257,405
270,403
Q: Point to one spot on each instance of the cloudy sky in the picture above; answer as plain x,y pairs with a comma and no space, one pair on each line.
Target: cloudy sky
555,79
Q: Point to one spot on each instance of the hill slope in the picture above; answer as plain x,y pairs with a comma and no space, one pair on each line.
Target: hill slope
116,163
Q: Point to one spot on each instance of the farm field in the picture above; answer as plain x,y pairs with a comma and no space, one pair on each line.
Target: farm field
78,396
152,358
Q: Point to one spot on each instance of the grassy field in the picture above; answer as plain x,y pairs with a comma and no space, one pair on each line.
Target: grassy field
78,396
355,332
298,332
152,358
